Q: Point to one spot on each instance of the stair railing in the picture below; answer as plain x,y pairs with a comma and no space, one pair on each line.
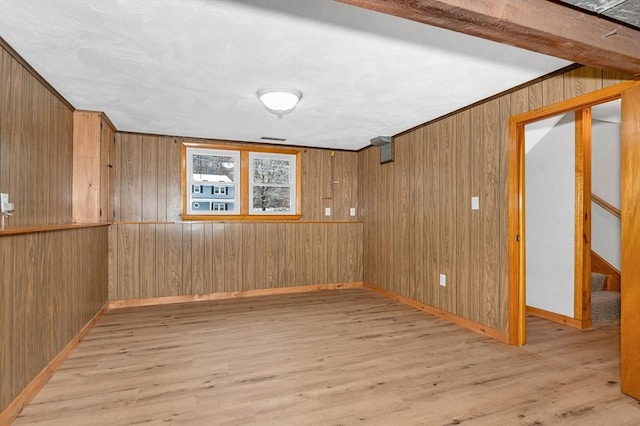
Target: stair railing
605,205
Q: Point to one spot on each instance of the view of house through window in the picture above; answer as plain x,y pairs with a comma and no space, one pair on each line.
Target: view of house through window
213,179
229,181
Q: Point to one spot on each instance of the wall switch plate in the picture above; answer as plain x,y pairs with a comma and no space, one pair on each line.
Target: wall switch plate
327,211
475,203
352,211
443,280
5,205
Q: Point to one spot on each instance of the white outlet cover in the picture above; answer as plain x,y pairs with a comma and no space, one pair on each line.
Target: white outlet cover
327,211
352,211
443,280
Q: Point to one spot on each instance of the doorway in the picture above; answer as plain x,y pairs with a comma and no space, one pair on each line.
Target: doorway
630,229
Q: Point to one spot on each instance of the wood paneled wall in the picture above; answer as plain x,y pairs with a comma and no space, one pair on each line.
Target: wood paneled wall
36,147
52,284
418,221
152,258
148,179
155,260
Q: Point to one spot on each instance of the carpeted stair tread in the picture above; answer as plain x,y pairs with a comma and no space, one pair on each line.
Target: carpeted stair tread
605,305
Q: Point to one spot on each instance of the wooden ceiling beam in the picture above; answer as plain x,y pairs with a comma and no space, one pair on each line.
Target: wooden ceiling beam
537,25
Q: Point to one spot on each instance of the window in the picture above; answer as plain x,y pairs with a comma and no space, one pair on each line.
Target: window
236,182
212,175
272,186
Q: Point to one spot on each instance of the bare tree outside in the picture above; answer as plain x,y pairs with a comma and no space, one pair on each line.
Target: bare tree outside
215,165
271,185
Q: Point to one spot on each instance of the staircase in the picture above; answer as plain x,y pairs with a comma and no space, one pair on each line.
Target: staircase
605,305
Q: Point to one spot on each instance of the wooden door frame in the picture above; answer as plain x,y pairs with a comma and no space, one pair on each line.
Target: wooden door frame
516,197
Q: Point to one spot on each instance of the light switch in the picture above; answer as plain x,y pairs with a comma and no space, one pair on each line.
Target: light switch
475,203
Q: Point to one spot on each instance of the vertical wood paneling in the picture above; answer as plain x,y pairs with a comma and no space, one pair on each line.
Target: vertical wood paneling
233,258
401,280
149,178
458,157
31,122
129,254
462,196
5,119
172,285
173,180
493,114
159,250
52,284
447,213
216,256
155,260
250,254
130,180
6,320
582,80
553,90
197,259
147,261
186,284
433,211
272,251
478,139
417,214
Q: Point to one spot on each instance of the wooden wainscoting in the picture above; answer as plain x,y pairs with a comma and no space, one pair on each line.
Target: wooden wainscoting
52,283
181,259
418,221
36,145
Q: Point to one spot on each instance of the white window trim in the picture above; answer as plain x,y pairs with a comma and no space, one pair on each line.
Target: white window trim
236,181
292,159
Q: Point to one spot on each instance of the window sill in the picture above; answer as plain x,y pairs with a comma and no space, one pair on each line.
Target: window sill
243,218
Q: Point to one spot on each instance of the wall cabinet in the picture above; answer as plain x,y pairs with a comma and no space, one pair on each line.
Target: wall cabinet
93,159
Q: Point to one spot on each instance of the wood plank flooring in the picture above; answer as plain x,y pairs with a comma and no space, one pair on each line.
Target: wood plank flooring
329,358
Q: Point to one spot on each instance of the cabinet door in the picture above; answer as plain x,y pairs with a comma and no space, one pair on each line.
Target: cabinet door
93,151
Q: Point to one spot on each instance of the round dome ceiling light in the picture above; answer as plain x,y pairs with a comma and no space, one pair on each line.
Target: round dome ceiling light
279,100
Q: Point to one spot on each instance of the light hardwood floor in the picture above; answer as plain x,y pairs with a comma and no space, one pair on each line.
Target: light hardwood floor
329,358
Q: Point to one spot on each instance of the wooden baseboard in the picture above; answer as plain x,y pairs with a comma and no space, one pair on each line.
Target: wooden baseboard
559,318
601,266
9,414
128,303
464,322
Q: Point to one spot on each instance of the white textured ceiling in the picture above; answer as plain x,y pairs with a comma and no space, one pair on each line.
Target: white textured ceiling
192,67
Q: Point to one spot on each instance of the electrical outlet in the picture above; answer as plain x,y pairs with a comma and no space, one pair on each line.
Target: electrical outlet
352,211
327,211
443,280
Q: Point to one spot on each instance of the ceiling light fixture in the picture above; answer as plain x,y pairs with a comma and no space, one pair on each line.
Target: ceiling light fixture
279,100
